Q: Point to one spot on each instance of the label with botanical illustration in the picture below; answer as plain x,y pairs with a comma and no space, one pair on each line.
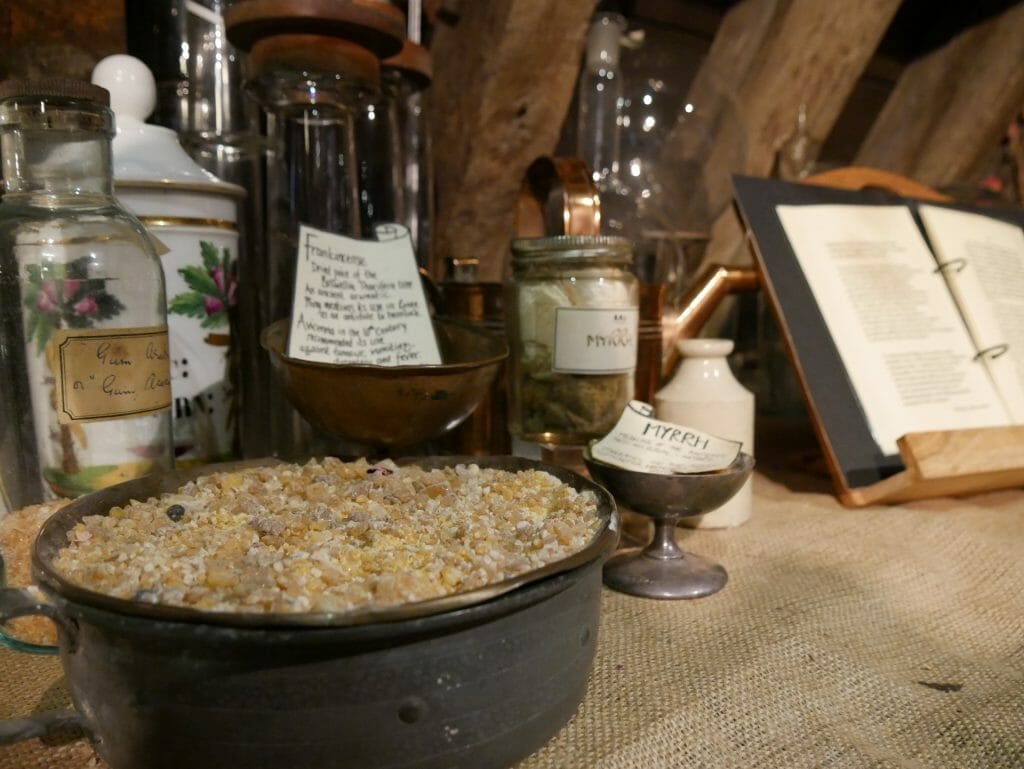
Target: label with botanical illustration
104,374
595,340
90,431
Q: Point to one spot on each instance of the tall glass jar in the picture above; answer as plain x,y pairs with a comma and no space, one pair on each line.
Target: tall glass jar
572,313
406,78
85,389
224,137
311,88
381,159
395,172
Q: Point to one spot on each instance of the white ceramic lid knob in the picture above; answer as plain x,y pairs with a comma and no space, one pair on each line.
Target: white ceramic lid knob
131,85
143,152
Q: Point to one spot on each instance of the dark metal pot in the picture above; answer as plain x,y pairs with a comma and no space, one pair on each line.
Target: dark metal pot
477,686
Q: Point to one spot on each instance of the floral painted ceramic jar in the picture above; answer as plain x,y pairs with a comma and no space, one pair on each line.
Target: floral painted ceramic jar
194,216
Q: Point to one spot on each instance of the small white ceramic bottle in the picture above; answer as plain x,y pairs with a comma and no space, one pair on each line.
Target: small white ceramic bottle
705,395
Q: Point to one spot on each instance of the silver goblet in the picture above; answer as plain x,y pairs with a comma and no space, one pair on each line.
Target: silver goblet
661,569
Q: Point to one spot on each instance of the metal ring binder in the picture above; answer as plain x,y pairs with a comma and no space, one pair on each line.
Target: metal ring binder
959,265
992,352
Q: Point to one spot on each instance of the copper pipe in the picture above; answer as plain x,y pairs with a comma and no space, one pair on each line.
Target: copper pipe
649,345
711,287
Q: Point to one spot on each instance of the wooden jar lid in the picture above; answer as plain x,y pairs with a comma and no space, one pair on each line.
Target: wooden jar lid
376,25
316,53
414,62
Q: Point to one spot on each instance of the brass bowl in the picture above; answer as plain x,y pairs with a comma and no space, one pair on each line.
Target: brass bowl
390,406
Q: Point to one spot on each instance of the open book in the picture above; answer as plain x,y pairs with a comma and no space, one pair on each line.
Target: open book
916,316
931,339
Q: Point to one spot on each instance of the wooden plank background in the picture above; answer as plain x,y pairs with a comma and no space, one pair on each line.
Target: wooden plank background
505,73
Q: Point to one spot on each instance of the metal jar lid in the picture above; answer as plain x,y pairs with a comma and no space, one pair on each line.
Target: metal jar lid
54,87
533,250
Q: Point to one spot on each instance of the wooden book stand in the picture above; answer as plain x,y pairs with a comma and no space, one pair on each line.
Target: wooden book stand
950,463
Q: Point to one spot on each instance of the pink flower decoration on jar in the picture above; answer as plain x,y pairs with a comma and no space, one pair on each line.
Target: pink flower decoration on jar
44,303
47,300
85,306
217,273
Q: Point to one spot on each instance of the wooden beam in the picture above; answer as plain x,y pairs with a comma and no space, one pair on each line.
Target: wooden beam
53,38
949,109
504,75
775,55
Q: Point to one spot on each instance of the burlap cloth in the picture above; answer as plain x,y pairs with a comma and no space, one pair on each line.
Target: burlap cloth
880,637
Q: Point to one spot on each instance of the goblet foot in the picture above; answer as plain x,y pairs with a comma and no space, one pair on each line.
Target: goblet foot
636,572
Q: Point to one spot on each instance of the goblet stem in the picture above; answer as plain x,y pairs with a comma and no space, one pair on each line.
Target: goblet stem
663,545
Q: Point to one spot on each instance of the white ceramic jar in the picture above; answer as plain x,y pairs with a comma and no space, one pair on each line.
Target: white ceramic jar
195,216
705,395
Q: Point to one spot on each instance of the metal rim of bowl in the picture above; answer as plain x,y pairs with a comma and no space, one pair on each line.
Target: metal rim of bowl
53,535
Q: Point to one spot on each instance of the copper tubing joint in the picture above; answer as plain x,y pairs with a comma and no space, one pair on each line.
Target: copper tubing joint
711,287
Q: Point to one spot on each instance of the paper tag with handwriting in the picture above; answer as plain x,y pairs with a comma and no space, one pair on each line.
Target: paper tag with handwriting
360,301
640,442
103,374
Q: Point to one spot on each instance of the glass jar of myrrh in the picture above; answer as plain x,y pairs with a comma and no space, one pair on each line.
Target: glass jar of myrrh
572,317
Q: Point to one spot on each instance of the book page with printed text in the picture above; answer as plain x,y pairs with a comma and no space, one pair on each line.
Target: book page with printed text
894,322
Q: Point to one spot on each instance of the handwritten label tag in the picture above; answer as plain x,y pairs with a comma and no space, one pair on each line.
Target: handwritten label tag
360,301
110,373
640,442
595,340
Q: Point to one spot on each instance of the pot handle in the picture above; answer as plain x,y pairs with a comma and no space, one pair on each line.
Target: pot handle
21,602
66,722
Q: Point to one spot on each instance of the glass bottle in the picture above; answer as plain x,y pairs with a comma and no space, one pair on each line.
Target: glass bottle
85,386
396,176
572,318
705,394
798,155
464,298
409,78
599,99
156,34
381,160
620,126
224,136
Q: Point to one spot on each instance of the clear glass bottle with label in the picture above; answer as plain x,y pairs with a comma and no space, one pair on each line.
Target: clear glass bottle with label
572,312
85,389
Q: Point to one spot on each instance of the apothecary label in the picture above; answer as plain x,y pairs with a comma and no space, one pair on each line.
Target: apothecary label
111,373
595,340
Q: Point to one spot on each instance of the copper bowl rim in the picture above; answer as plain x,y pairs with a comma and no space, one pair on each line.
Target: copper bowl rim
274,330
